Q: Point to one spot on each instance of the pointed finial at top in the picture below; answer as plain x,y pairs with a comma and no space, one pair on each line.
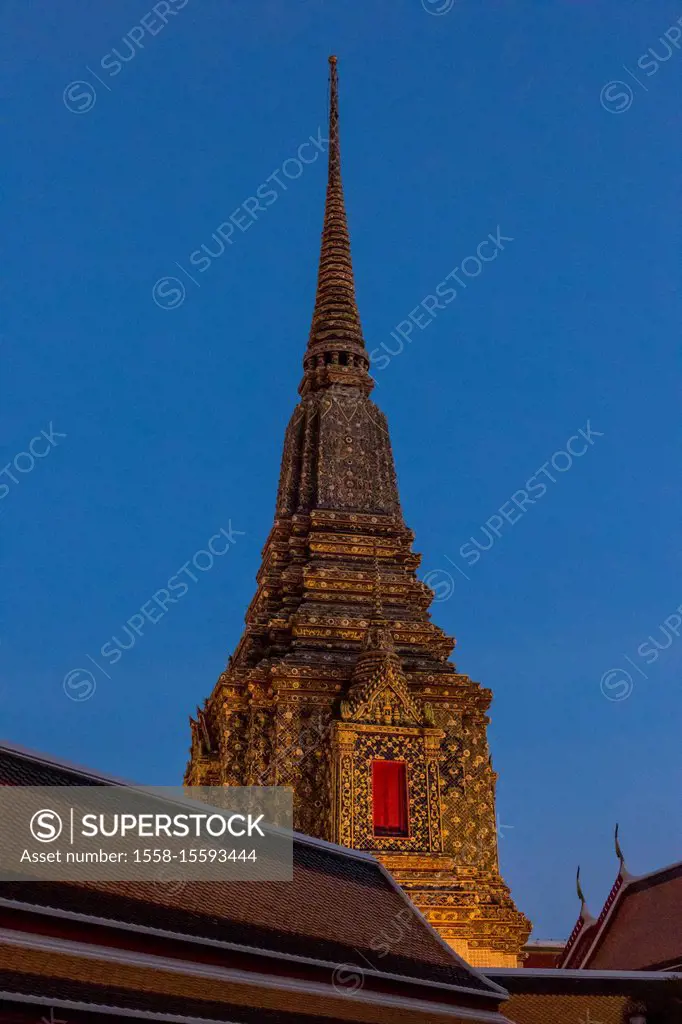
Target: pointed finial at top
579,888
334,140
623,872
336,352
619,852
584,912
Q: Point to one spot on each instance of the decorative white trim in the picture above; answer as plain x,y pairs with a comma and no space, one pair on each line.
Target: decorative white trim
617,899
580,973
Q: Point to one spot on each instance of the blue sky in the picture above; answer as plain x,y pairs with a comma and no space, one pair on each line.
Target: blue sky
540,120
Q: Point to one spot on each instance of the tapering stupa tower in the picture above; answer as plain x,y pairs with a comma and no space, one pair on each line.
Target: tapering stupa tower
340,686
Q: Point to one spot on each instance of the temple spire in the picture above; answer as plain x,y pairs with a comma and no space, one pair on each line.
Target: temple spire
336,352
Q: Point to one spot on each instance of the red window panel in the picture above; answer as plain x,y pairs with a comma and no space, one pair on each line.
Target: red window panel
389,798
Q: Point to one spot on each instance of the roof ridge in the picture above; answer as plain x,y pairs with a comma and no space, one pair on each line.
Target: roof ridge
623,884
635,879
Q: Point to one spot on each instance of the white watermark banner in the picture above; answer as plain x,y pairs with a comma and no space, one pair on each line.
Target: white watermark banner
161,833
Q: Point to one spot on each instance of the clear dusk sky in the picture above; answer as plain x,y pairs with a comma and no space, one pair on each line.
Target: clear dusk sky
548,122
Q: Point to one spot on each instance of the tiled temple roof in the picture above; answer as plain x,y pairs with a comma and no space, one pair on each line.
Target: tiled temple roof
331,914
643,931
639,927
589,997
